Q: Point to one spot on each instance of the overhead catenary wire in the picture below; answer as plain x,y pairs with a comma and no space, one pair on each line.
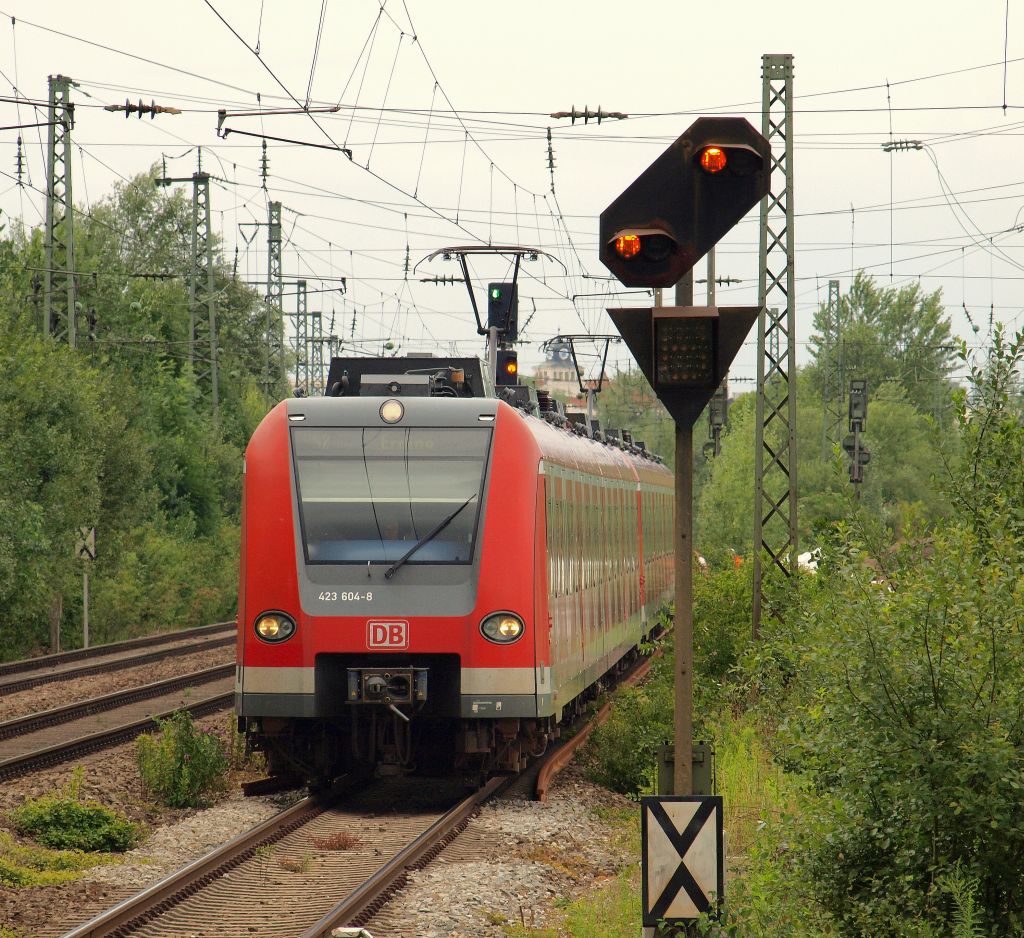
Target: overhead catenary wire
516,215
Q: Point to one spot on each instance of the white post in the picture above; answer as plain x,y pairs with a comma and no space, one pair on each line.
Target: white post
85,609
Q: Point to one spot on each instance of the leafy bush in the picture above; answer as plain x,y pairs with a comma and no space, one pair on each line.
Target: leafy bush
64,822
721,624
899,674
622,753
180,766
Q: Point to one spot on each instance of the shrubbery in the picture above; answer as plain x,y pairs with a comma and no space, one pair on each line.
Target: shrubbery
899,675
622,753
892,694
64,821
179,765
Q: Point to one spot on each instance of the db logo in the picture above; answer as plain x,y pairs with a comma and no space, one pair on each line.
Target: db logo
387,634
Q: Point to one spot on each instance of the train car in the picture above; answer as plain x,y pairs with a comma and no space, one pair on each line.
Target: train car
433,579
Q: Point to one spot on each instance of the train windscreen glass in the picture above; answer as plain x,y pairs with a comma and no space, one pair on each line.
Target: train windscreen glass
369,494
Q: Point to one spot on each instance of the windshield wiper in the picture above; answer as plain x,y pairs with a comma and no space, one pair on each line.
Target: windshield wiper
390,572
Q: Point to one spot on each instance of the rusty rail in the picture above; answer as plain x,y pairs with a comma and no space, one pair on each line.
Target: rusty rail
37,721
563,755
118,664
139,908
64,752
112,648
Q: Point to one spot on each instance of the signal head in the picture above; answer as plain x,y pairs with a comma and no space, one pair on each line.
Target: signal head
684,202
643,254
508,368
713,159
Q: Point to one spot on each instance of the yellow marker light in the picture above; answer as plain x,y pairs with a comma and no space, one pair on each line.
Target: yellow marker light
627,246
392,411
713,159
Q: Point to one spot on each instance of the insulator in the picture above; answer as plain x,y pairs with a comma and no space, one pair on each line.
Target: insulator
545,402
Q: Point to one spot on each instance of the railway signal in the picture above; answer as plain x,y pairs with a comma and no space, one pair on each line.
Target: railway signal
854,446
503,310
507,374
669,217
674,212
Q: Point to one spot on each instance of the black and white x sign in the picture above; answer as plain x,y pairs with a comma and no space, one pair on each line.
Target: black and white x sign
683,860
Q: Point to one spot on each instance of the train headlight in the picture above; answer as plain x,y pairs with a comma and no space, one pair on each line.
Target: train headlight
392,411
275,627
502,627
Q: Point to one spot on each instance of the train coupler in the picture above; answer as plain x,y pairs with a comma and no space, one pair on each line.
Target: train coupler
387,686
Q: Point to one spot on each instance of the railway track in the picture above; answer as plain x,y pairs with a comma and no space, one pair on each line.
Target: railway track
65,733
34,672
282,878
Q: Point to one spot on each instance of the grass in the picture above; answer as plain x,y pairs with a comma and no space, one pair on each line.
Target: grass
754,789
611,911
39,866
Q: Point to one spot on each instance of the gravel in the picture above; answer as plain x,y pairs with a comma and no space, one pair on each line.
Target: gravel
519,856
73,690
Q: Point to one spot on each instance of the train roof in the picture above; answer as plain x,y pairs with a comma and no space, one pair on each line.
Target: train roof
421,376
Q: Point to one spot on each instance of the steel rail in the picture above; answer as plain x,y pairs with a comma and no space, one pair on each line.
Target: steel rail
96,651
37,721
62,752
563,755
118,664
145,905
365,900
360,904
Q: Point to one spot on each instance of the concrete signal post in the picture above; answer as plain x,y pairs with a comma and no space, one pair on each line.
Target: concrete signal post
651,236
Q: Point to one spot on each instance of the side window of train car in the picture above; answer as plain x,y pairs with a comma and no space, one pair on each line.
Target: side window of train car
560,533
549,511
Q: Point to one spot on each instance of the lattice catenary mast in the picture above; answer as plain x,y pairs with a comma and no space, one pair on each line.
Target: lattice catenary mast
202,306
775,457
202,303
59,276
301,342
273,337
832,372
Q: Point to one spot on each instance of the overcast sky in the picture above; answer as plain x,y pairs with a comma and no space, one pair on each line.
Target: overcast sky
422,177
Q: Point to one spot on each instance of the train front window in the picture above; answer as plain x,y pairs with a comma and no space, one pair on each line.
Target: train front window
368,494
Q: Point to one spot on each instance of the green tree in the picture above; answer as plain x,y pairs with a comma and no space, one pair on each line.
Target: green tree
901,335
897,481
897,676
116,434
629,402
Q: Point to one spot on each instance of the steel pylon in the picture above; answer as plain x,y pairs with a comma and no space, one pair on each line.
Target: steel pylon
273,335
202,306
59,276
301,343
775,459
832,372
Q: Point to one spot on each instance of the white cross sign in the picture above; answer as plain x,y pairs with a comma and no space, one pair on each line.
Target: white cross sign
683,860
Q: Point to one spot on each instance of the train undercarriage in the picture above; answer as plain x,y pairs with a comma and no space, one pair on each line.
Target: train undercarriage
389,735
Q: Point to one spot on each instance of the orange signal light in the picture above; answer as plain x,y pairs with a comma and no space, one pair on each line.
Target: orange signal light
511,367
627,246
713,159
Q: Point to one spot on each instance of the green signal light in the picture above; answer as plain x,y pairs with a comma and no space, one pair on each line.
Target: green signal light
495,293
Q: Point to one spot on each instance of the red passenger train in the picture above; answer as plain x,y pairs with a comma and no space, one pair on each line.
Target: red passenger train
432,578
